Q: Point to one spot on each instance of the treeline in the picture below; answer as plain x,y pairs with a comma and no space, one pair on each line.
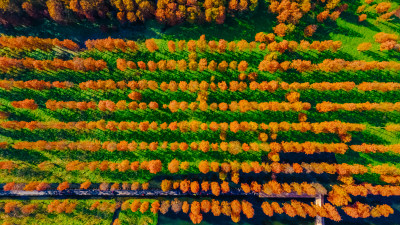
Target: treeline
24,12
195,86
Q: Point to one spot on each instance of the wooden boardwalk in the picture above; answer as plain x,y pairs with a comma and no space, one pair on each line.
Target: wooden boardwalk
76,193
319,200
285,195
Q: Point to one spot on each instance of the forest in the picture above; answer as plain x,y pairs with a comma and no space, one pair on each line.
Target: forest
200,112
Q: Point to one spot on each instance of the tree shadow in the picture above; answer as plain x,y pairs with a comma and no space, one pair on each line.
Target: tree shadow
357,77
350,17
314,56
355,96
367,138
28,156
384,56
394,24
383,158
374,118
343,30
297,136
236,28
163,115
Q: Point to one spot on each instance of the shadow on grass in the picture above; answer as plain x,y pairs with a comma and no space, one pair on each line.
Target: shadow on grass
142,155
241,27
23,155
375,118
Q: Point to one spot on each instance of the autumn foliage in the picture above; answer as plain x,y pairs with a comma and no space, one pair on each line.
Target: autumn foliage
360,210
328,65
32,43
76,64
111,44
194,86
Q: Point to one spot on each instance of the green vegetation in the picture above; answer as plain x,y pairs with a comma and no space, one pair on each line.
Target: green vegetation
295,47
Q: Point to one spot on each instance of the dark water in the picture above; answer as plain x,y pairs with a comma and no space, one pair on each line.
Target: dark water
260,219
224,221
209,219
